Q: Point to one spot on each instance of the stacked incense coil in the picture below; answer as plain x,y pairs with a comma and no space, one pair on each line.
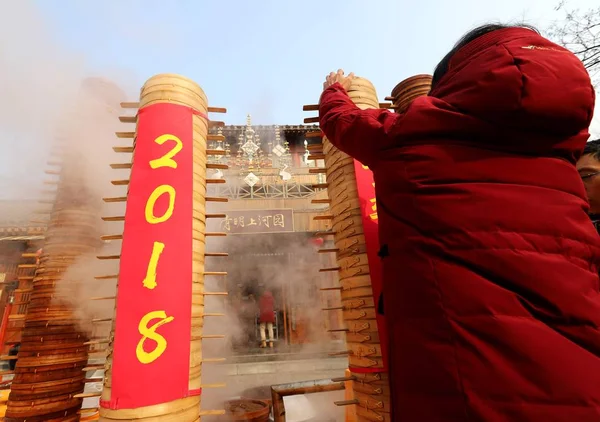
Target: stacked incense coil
175,89
408,90
49,373
370,390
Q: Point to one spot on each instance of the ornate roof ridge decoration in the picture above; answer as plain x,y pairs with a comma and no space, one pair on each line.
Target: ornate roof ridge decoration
22,229
299,128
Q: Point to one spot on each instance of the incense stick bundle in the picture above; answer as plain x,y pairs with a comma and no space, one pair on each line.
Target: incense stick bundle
408,90
175,89
359,312
48,374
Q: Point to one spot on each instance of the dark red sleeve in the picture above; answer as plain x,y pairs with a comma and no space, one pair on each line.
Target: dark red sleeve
359,133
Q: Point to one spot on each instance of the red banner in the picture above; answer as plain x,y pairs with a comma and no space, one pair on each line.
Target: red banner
153,313
366,194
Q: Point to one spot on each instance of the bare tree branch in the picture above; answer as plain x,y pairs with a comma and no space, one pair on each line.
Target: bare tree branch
579,31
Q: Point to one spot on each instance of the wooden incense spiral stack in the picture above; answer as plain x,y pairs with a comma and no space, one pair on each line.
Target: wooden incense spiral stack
175,89
406,91
49,375
370,388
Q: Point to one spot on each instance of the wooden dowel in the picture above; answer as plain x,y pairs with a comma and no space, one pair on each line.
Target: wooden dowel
107,277
115,218
215,137
215,152
116,199
214,385
123,149
112,236
344,353
332,250
216,109
103,298
311,107
109,257
217,166
98,341
219,273
318,134
320,201
125,135
212,234
332,269
216,215
216,199
323,217
311,120
93,367
87,395
344,379
128,119
119,182
325,289
214,181
216,254
346,402
317,171
121,166
96,320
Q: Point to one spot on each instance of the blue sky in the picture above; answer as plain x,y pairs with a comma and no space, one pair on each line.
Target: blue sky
269,57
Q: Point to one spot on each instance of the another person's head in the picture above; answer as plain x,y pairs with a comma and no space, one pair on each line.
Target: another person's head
588,167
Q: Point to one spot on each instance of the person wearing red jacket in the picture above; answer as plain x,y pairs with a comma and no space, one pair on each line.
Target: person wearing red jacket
266,306
491,287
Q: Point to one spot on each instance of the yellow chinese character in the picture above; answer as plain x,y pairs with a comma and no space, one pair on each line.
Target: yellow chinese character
365,167
267,220
374,209
226,223
278,220
252,222
241,221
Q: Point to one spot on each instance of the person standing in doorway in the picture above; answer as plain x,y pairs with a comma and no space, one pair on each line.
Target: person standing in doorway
266,318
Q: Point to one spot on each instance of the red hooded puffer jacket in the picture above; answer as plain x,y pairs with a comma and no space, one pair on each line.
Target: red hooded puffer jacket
491,285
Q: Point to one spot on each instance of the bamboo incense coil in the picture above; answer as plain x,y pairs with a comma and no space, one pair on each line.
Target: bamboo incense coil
358,305
48,373
408,90
175,89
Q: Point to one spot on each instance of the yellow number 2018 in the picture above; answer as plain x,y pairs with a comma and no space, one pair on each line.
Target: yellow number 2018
157,193
149,333
167,159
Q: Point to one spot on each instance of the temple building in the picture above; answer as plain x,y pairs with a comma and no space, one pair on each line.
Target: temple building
274,192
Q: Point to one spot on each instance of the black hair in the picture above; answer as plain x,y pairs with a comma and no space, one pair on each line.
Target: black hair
592,148
442,67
